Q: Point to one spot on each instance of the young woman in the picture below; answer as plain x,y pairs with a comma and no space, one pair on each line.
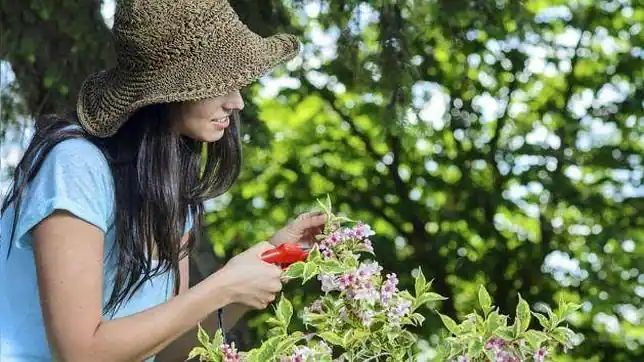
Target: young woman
94,241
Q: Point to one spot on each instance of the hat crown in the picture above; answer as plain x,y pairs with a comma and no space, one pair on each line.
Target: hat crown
174,51
152,34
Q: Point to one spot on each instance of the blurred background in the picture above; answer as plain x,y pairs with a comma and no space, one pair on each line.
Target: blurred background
492,142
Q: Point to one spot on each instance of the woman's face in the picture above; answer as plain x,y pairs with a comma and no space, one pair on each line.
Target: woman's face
205,120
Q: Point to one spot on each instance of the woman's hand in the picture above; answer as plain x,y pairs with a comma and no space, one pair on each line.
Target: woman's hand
250,280
302,230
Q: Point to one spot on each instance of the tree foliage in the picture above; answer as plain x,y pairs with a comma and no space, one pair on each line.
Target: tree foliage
483,140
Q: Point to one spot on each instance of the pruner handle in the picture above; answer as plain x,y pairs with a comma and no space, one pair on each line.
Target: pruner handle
285,255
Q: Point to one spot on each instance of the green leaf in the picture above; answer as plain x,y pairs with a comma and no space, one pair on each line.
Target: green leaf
284,311
421,283
407,339
203,337
251,356
418,319
492,323
218,339
475,347
563,335
565,310
314,255
330,266
350,262
327,207
517,329
268,349
325,358
285,346
313,318
360,334
310,271
392,335
523,314
274,321
505,333
197,352
535,338
332,338
353,336
554,320
406,295
484,300
450,324
348,339
429,297
276,332
480,322
296,270
490,355
543,320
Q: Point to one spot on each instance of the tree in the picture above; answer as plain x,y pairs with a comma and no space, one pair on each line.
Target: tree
487,139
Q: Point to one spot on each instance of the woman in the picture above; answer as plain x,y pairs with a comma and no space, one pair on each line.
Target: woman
94,237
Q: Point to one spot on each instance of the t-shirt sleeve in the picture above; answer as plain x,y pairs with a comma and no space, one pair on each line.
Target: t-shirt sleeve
74,177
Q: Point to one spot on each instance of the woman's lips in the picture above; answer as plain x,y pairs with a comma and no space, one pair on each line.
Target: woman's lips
222,123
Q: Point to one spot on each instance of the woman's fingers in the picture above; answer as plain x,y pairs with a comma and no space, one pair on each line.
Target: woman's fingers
309,220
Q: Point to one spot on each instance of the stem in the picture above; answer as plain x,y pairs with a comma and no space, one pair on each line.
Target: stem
376,357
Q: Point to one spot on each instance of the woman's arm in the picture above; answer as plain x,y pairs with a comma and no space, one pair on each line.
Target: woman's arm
179,348
69,262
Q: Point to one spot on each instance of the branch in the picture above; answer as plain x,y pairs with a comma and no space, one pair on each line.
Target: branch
52,48
330,98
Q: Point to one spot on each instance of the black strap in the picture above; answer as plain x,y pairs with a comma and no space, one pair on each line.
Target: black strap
220,323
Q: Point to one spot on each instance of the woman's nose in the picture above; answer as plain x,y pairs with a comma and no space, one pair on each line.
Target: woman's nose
234,100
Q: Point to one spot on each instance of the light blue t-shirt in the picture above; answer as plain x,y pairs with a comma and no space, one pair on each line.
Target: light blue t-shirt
75,177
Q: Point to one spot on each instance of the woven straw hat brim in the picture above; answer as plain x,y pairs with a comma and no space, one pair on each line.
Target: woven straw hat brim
108,98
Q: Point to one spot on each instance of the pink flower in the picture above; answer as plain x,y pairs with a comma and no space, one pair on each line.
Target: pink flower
462,359
368,245
540,355
505,356
302,353
349,234
329,282
363,231
388,289
366,317
342,313
367,293
399,310
230,352
368,270
495,344
347,280
326,251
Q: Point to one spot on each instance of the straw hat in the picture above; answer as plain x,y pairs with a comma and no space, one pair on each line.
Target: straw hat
176,50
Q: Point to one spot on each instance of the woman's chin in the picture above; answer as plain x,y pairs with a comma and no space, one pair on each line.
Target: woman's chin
213,136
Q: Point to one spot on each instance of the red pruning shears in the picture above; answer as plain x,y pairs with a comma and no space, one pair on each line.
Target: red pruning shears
286,254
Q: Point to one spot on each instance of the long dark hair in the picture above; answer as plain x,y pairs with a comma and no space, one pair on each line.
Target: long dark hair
158,176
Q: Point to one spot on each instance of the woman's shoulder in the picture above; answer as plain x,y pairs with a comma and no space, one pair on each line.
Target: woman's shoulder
79,150
77,153
79,162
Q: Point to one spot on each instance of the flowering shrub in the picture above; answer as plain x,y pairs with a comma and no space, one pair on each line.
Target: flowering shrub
488,337
363,315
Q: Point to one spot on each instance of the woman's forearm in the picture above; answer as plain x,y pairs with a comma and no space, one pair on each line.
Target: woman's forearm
180,347
142,335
